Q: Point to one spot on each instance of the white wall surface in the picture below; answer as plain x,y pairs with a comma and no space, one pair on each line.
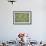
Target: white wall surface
8,31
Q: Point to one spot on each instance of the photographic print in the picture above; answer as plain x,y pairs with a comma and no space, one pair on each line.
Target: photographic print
22,17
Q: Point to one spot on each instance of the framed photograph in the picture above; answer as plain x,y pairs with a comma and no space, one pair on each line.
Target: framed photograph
22,17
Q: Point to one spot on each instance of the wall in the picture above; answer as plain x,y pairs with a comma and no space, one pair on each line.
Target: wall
9,31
